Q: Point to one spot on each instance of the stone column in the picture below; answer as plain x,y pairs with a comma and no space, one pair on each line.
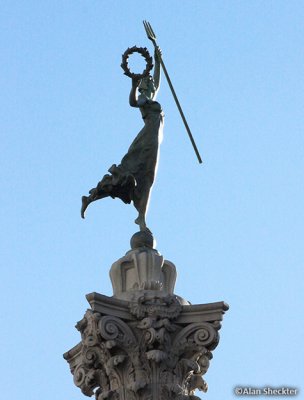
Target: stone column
145,342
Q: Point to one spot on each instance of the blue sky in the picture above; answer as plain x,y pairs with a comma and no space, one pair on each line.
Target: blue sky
233,226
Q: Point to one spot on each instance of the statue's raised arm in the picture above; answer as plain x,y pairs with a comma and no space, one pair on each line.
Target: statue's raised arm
156,73
132,179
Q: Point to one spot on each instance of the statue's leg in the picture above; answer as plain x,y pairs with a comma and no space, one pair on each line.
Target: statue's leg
84,205
94,195
141,202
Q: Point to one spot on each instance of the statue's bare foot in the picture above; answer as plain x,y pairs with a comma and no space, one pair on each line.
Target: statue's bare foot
85,202
140,220
142,224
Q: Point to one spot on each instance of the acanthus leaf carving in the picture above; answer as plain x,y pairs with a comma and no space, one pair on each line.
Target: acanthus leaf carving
149,355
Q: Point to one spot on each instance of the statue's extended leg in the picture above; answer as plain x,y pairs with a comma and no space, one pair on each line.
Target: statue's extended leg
86,200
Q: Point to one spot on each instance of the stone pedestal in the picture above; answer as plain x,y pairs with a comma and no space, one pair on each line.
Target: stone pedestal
144,343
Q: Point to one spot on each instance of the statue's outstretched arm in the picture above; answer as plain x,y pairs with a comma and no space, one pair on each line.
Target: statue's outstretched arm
156,74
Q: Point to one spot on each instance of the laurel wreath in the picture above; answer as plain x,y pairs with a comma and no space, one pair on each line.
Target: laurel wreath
142,51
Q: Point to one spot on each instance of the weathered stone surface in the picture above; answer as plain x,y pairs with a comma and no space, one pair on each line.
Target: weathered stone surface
142,269
144,343
153,348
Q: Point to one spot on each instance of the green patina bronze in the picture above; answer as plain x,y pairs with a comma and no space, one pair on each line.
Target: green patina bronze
132,179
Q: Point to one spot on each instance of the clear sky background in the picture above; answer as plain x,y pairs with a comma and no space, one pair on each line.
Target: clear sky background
233,226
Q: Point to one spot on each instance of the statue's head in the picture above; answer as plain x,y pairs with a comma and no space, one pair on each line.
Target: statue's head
147,86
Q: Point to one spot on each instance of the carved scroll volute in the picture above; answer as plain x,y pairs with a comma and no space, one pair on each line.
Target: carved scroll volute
117,332
89,379
196,336
120,337
89,373
109,358
193,346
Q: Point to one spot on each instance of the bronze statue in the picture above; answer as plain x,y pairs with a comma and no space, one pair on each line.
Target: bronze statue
133,178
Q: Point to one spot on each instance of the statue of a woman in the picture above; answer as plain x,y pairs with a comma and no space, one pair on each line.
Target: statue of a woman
133,178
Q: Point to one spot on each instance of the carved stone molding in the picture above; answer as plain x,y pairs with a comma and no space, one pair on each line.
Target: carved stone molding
144,349
142,269
145,342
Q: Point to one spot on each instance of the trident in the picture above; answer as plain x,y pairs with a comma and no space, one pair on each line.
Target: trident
151,35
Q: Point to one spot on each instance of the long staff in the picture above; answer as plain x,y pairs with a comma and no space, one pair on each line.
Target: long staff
151,35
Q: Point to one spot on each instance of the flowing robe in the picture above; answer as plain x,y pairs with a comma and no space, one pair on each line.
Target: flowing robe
133,178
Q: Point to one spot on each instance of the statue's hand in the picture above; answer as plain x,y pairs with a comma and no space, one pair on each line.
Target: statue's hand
135,82
157,53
